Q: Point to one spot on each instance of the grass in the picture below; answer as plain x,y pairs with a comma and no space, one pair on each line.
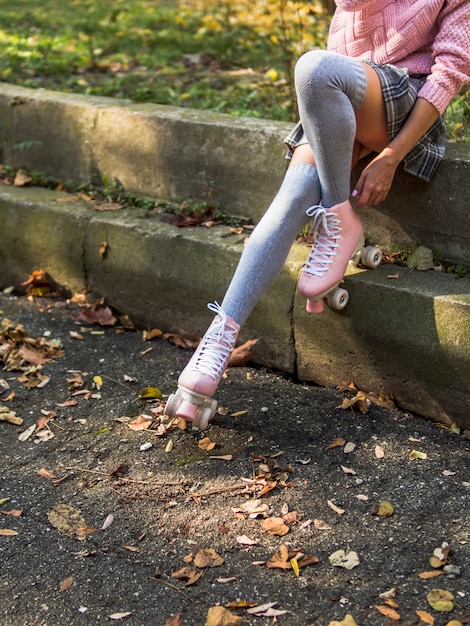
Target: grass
232,56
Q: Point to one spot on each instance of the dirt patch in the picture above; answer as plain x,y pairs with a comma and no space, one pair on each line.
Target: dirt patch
274,444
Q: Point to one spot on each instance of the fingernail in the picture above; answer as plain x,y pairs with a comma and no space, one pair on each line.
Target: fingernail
354,193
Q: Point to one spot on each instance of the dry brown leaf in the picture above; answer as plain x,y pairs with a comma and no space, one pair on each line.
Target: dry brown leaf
66,583
7,532
321,525
208,557
13,513
142,422
275,526
425,617
388,612
67,520
187,573
336,443
44,473
206,444
220,616
430,574
246,541
242,354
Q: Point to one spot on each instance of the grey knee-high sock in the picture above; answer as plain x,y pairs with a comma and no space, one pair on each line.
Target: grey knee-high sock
268,246
330,88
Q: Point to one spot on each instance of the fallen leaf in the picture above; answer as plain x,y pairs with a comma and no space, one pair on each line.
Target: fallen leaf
321,525
150,393
26,434
220,616
206,444
416,454
189,574
336,443
13,513
44,473
431,574
349,447
7,532
266,610
119,616
174,620
348,470
420,259
379,452
275,526
67,520
383,509
207,557
242,354
441,600
246,541
108,521
388,612
391,593
335,508
66,583
425,617
341,559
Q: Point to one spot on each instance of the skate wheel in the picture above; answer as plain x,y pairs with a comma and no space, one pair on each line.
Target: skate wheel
371,257
204,415
337,299
172,405
314,306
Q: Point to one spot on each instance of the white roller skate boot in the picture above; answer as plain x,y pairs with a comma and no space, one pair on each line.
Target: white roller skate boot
338,234
201,376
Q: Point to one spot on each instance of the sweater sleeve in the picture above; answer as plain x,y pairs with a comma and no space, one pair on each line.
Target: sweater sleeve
451,55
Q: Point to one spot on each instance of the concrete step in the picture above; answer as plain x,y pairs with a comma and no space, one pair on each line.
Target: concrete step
408,335
176,154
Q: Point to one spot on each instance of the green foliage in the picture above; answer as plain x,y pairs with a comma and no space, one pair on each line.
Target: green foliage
232,56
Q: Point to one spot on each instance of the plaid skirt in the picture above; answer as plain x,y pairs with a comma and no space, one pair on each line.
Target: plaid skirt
400,91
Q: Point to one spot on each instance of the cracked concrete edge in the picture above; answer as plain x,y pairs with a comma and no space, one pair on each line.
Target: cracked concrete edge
407,336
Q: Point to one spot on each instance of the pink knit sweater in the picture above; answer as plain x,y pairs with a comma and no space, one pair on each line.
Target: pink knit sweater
426,36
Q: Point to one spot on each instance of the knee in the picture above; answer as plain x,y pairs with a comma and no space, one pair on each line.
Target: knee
312,69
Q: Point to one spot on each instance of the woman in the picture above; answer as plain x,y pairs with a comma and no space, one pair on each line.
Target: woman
382,87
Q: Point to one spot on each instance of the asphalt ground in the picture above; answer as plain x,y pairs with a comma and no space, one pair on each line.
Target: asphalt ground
102,522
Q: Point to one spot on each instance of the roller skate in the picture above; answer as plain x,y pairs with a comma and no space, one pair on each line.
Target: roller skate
200,378
338,240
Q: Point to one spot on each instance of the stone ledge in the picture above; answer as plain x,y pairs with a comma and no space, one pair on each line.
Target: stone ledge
173,153
408,336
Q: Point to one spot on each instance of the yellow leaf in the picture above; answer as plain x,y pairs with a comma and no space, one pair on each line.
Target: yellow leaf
425,617
347,621
441,600
98,381
149,393
383,509
416,454
295,566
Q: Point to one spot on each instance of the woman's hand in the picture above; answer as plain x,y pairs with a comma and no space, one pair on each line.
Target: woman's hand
376,179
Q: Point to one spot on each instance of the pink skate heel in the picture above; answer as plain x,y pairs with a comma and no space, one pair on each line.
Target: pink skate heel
338,239
201,376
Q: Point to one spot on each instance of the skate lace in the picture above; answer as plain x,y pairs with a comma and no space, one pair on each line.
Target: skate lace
217,346
327,229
